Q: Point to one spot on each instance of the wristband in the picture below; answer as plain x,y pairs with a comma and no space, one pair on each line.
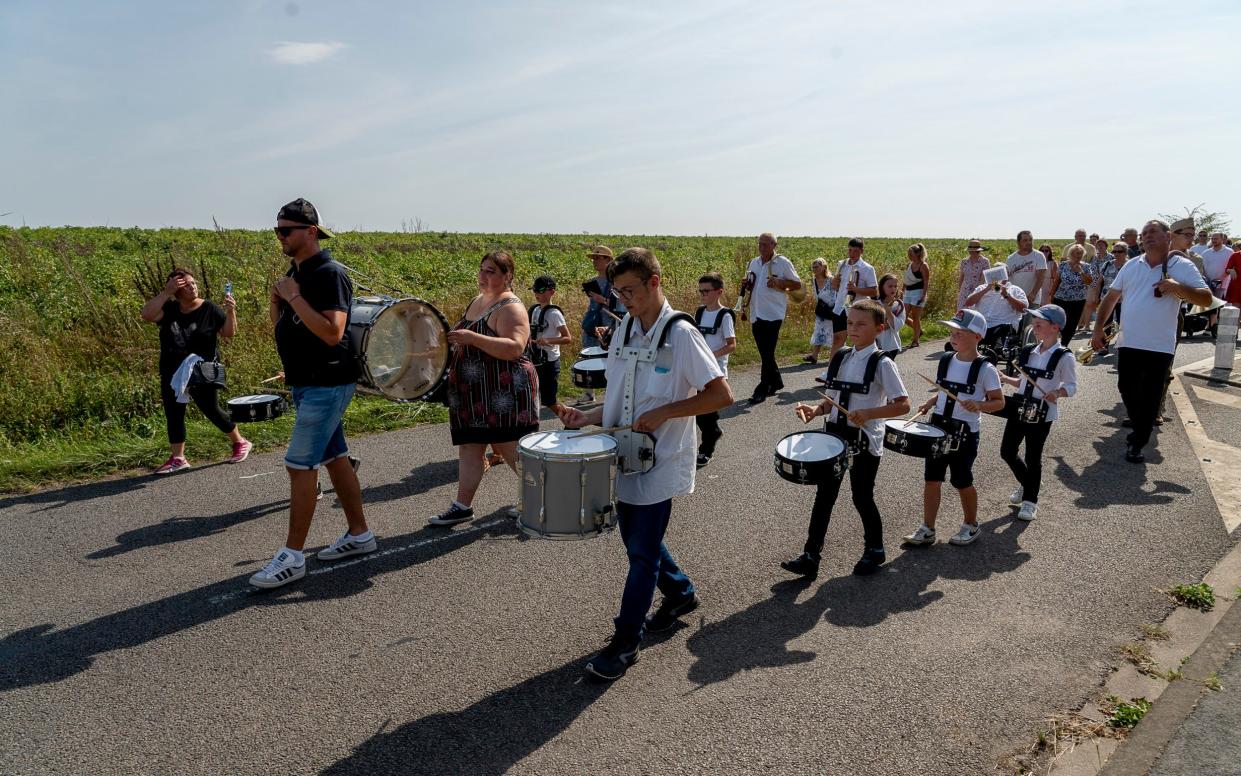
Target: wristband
295,296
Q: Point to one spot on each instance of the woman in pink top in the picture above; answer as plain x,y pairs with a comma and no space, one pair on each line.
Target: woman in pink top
969,276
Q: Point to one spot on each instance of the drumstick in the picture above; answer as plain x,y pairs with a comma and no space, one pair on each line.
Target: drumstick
939,387
1033,382
615,317
598,431
914,419
843,409
272,379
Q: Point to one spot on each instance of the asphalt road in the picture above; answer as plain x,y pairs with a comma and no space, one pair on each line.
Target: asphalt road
130,642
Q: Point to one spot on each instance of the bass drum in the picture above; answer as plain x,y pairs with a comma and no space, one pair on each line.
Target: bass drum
401,346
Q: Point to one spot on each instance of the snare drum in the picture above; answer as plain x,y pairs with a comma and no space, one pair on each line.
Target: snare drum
568,484
593,352
911,437
251,409
590,373
1025,409
808,457
401,346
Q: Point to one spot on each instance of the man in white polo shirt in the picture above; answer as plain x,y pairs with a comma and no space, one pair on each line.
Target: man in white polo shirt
769,277
1002,304
1214,261
1152,288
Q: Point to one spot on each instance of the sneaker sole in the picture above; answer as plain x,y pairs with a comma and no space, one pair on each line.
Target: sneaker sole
171,471
690,608
590,669
963,542
265,585
363,550
918,542
454,521
239,459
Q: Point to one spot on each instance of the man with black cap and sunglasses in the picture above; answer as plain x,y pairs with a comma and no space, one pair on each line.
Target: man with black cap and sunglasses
309,308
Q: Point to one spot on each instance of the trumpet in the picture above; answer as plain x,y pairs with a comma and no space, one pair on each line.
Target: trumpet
1086,354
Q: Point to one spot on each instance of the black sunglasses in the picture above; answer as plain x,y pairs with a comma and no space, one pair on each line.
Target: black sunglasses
285,231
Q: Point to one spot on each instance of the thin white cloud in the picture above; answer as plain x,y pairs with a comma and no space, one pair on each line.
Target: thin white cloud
288,52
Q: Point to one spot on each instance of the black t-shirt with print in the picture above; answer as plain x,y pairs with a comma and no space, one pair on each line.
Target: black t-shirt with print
181,334
308,360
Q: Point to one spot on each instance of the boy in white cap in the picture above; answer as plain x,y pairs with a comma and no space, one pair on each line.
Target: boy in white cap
976,385
1055,377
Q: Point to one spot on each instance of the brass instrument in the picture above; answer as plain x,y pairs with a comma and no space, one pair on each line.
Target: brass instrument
1086,354
740,306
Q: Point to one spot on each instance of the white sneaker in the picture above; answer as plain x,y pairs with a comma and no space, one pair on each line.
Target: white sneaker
280,570
1028,508
1015,498
923,535
966,535
347,545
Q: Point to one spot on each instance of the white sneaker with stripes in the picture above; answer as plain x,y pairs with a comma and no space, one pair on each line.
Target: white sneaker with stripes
345,545
280,570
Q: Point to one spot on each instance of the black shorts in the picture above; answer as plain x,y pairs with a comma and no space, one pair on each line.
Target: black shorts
959,461
840,322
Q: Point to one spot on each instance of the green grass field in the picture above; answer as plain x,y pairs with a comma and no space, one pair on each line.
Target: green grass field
78,385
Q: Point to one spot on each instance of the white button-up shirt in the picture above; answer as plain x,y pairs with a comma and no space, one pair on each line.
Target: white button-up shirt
860,274
683,367
887,386
1148,322
1065,376
996,308
770,304
959,372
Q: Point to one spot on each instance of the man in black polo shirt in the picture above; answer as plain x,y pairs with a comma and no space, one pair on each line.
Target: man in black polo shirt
309,307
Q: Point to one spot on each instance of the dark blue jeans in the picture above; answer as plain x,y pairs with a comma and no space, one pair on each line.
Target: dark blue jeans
642,529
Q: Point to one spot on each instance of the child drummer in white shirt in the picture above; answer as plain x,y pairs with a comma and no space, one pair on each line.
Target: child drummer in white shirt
869,402
976,384
717,325
1054,370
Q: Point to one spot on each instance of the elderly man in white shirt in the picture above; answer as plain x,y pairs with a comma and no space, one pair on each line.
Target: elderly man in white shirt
1002,304
769,277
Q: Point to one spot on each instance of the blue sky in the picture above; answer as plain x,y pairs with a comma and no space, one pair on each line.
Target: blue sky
809,118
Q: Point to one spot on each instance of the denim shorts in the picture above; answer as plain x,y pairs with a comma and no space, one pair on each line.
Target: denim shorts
318,433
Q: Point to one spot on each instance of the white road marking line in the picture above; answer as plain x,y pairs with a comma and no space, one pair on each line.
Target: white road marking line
252,476
1217,397
1215,458
336,566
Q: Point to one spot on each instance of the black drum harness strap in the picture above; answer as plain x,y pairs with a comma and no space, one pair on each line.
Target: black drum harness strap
956,427
537,354
854,437
719,319
1039,374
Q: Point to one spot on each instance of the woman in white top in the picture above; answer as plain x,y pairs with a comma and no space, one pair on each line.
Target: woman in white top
894,310
824,293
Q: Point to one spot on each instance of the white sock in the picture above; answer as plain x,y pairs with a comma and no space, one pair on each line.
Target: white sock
459,505
365,536
297,555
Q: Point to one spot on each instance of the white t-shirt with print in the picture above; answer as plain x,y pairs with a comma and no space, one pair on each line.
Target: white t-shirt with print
552,321
887,386
684,370
770,304
717,340
1148,322
1021,269
861,274
958,372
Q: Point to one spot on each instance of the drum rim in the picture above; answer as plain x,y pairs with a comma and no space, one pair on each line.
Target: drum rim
265,397
589,370
545,455
383,303
843,450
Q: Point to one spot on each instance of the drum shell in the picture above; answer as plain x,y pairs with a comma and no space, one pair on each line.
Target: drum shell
592,352
566,497
810,472
589,378
364,314
255,412
900,439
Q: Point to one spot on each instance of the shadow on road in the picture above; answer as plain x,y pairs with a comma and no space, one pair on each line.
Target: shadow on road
40,655
1110,480
180,529
76,494
489,737
759,637
419,480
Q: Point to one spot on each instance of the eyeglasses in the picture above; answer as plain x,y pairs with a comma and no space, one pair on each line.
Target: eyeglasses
626,293
705,291
285,231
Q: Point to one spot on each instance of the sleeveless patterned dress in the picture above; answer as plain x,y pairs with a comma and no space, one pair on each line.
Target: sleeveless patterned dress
489,399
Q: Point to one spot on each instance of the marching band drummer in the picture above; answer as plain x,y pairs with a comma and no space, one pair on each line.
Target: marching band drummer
718,328
866,382
660,389
1054,370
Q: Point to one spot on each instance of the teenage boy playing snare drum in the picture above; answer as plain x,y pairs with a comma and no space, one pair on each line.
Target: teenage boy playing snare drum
976,384
1055,377
867,383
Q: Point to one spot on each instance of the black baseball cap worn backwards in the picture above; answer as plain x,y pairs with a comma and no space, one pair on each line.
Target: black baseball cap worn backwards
302,212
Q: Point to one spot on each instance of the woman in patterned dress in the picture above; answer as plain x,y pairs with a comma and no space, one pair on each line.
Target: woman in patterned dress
492,386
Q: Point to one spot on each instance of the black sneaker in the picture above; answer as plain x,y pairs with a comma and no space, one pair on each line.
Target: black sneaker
803,566
1134,455
703,460
669,611
453,515
614,660
759,398
870,562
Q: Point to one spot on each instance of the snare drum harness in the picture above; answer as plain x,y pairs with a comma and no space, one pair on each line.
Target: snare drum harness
840,426
719,319
537,354
1039,374
636,449
956,427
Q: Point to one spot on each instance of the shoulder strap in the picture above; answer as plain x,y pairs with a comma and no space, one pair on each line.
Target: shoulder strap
668,324
1026,352
698,314
1056,355
833,366
530,313
975,370
872,366
944,361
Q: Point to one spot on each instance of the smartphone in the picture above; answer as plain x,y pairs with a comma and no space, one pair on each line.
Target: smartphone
228,287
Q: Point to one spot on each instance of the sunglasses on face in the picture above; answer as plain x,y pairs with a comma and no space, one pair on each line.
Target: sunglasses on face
285,231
